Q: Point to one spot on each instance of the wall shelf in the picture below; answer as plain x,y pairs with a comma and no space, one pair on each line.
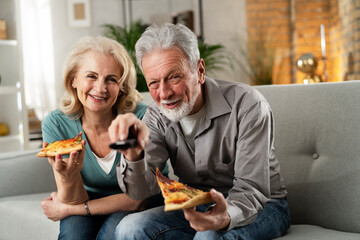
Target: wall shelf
8,90
12,104
9,138
9,42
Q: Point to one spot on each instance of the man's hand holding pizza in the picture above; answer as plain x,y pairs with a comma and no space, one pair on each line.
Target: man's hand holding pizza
215,218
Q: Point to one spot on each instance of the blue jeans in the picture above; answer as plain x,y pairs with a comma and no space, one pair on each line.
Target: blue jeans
272,222
93,227
100,226
90,227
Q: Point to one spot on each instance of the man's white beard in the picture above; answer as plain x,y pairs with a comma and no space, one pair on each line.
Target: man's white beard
177,113
181,111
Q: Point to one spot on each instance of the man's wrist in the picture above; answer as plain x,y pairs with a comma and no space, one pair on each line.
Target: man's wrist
134,157
226,223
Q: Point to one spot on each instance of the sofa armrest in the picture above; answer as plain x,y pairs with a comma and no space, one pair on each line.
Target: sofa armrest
24,173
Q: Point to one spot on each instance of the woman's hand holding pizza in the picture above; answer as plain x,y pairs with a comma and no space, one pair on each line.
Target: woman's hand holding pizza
67,168
119,130
214,219
67,176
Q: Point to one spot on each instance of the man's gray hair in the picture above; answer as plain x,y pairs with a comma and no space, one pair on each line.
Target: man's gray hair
167,36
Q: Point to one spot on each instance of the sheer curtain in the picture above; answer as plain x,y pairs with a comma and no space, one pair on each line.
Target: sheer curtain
38,57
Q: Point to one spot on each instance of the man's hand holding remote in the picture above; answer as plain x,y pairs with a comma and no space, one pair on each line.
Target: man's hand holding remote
124,128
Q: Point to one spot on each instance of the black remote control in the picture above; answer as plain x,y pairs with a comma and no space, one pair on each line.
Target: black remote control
128,143
123,145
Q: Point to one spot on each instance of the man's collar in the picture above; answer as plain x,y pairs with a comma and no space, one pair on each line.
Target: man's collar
215,102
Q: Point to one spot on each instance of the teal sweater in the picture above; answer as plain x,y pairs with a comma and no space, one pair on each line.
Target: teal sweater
57,126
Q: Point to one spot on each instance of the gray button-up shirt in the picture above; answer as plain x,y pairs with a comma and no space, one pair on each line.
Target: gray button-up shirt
234,152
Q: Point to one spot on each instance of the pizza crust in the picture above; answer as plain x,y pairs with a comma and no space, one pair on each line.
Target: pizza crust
200,199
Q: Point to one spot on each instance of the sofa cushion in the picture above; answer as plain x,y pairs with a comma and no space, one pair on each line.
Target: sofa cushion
24,173
23,218
305,232
318,145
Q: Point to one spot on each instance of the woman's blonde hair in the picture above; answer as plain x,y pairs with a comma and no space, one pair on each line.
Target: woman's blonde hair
128,97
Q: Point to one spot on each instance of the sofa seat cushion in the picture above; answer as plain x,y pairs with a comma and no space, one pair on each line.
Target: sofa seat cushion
305,232
22,218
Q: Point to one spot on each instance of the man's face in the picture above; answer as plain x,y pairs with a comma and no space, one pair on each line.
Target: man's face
172,85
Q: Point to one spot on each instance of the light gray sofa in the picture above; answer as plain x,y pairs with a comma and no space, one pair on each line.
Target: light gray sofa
25,180
317,142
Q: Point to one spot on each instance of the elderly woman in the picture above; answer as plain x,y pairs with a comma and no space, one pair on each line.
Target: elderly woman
100,82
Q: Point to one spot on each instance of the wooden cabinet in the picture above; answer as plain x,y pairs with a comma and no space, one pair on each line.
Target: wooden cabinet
12,103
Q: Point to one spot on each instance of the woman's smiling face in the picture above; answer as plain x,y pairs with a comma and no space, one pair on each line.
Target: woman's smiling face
97,82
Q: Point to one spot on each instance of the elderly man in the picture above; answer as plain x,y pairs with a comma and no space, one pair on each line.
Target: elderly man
219,137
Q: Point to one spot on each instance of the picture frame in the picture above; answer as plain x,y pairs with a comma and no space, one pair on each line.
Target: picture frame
186,18
79,14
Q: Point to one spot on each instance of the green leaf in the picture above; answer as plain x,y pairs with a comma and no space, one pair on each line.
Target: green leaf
215,57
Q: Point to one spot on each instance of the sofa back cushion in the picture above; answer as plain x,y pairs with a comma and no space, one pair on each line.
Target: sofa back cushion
24,173
317,141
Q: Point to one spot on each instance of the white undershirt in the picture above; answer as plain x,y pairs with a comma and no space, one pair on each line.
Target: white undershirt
107,162
190,124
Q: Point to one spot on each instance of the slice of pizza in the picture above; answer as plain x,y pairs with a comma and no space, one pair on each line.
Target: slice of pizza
62,146
180,196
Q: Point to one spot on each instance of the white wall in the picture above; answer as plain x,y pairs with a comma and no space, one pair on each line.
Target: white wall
225,23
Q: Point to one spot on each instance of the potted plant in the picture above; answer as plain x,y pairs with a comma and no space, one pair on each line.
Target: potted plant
259,58
215,57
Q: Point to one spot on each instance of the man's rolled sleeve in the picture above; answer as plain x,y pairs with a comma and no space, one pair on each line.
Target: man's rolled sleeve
130,176
236,218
